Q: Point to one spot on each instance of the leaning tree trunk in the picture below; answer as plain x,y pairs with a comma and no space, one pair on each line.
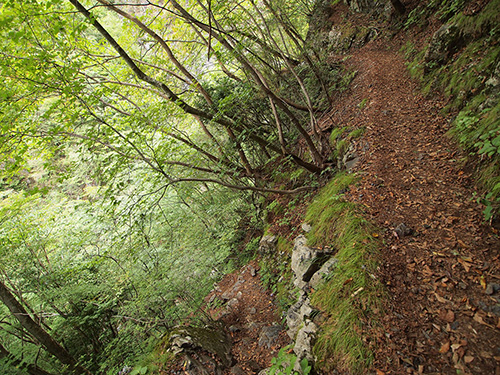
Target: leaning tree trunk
45,339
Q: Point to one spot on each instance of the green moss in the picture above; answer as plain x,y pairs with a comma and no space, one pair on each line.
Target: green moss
336,134
351,293
357,133
276,275
488,19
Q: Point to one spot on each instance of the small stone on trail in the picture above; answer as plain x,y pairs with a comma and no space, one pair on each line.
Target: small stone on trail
267,244
253,272
233,302
269,335
402,230
492,288
252,310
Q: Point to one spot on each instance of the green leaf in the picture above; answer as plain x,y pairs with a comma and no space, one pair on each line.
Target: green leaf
488,212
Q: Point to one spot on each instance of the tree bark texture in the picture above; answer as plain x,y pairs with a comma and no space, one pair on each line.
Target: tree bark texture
45,339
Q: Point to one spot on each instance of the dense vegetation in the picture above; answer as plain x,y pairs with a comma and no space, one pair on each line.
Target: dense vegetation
137,143
121,129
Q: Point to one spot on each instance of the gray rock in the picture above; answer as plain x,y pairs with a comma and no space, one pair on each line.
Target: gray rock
443,43
209,338
252,310
233,302
350,164
402,231
269,335
297,314
264,372
267,244
492,288
125,371
305,261
366,6
252,270
231,292
349,159
237,370
493,89
306,227
234,329
304,343
253,325
323,272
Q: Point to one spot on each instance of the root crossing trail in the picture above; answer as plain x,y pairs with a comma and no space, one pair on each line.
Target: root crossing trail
441,267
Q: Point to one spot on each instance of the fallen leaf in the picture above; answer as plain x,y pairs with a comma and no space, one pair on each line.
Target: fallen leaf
445,347
478,318
482,280
468,358
486,354
450,316
379,372
440,299
348,281
427,271
465,264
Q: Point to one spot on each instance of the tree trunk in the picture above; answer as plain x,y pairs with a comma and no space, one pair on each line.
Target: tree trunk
45,339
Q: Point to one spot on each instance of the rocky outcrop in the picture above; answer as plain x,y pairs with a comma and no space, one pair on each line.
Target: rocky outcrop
310,267
378,8
306,261
444,43
344,36
297,314
213,339
366,6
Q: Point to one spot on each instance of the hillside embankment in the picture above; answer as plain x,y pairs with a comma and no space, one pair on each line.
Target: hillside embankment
439,259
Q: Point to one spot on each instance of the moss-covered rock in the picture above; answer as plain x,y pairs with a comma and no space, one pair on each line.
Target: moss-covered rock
212,339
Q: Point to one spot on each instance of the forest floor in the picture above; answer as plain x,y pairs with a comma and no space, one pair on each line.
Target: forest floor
439,262
441,267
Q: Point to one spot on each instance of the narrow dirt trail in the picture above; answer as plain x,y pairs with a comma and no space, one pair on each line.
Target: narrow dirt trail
443,305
